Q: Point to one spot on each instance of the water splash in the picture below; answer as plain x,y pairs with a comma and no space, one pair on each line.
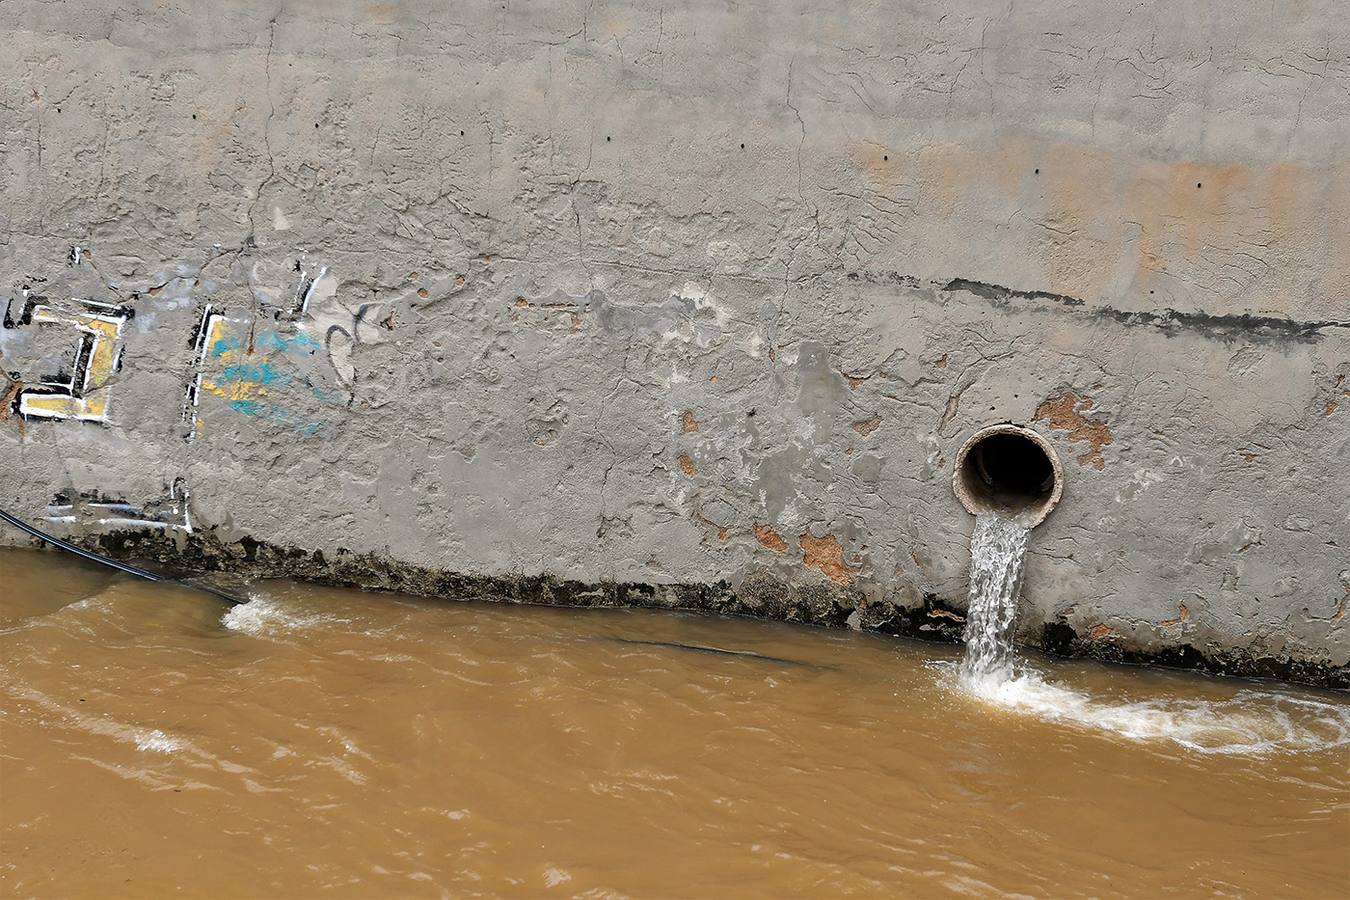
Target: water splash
1251,722
997,549
267,616
156,741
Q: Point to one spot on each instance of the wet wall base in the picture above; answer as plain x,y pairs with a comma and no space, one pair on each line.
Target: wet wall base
233,566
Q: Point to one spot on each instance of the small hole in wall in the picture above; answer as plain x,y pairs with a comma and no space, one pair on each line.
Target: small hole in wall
461,132
1037,171
742,146
608,139
1150,292
884,157
1197,184
194,115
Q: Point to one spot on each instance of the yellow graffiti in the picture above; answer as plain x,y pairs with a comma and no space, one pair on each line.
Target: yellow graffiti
221,347
242,369
95,391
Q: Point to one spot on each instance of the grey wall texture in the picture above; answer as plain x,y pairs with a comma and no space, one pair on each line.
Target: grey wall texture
693,303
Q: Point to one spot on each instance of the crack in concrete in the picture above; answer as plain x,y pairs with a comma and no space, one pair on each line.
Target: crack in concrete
1170,321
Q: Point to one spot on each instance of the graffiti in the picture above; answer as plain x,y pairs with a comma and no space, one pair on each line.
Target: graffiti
230,364
211,332
255,360
304,291
340,342
293,306
84,391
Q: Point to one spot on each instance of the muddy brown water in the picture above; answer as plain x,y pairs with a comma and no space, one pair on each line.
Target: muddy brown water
330,742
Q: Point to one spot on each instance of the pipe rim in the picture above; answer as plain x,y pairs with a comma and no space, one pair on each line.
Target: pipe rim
1032,513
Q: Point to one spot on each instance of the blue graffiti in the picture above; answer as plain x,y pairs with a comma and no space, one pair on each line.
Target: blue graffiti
224,345
260,374
247,407
277,414
271,340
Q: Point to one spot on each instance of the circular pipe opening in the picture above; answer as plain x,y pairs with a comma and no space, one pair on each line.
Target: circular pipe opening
1008,470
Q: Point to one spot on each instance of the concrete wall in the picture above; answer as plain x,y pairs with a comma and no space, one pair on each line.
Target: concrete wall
697,294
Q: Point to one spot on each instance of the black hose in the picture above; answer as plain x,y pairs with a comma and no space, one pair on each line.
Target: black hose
112,563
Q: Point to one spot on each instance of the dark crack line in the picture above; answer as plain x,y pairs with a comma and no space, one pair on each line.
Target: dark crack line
1169,321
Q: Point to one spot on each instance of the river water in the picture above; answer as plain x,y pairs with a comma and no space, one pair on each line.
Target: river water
152,741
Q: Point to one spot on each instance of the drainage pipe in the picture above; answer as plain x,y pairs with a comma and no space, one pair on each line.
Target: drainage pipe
1009,470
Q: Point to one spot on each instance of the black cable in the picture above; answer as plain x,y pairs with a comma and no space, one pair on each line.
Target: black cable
112,563
79,551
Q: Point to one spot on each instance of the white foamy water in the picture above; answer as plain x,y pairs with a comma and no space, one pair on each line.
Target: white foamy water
1250,722
148,740
997,548
263,615
157,741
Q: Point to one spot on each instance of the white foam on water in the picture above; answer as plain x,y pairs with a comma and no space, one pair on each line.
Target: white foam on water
1251,722
263,615
553,876
148,740
156,741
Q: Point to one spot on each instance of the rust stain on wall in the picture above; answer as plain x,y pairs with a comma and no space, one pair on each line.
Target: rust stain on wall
770,538
1182,615
722,530
687,465
7,400
867,426
688,424
825,554
384,13
1065,412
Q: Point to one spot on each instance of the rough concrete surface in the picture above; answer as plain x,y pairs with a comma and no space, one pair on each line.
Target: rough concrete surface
696,300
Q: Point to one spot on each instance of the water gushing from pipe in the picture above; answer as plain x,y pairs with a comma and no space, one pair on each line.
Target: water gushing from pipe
997,549
1010,479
